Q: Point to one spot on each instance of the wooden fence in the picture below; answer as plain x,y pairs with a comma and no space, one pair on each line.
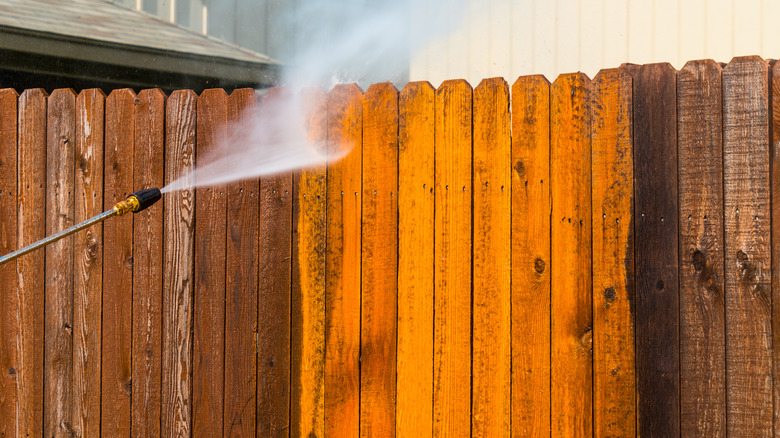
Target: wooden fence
581,258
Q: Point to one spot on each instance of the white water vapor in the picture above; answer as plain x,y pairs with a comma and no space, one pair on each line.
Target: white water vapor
332,41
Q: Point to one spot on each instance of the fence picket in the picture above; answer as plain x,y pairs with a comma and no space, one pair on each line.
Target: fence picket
614,378
379,264
88,263
307,321
147,266
491,349
116,376
452,262
414,387
775,203
570,278
748,293
31,223
655,252
342,293
60,214
702,317
180,125
9,301
241,286
531,257
208,367
274,299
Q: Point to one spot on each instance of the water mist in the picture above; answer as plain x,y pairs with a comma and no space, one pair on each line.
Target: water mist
335,41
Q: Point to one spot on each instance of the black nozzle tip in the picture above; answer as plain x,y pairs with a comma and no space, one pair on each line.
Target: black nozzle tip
146,198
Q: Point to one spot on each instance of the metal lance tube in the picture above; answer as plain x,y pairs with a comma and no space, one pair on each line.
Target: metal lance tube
136,202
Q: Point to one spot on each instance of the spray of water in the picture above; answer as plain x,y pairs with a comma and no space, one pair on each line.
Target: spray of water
335,41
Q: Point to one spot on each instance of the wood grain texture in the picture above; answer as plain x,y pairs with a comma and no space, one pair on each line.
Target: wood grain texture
702,311
147,266
379,262
531,257
492,334
10,304
775,185
31,226
414,382
452,294
208,365
307,321
570,301
655,255
748,255
614,378
88,263
180,122
241,287
60,213
117,343
274,292
342,293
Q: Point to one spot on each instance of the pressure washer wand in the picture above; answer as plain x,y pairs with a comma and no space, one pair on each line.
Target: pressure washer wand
136,202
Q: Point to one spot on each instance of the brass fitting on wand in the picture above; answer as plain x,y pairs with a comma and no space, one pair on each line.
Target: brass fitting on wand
137,201
126,206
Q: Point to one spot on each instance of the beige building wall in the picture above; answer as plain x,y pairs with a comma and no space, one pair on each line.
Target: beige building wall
512,38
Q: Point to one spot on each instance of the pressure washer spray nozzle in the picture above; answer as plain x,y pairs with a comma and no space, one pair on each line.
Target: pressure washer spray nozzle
138,201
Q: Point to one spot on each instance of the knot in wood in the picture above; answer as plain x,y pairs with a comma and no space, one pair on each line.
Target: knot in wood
610,295
586,340
539,265
699,261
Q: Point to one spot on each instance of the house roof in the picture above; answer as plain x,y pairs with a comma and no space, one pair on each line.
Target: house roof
104,32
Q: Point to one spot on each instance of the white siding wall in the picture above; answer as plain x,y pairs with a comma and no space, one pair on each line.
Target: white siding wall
512,38
518,37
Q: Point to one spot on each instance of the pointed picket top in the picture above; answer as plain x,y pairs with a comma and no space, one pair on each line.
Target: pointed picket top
382,87
530,80
417,87
495,82
610,74
751,60
213,93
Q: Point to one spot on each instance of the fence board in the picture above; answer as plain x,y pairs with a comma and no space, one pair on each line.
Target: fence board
58,330
10,304
379,264
702,335
531,257
748,256
88,263
116,367
31,223
614,378
414,382
208,365
147,265
775,185
570,301
241,290
180,122
491,349
655,255
342,293
452,293
274,299
307,321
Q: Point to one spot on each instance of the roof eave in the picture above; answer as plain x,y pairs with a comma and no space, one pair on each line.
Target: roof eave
89,50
